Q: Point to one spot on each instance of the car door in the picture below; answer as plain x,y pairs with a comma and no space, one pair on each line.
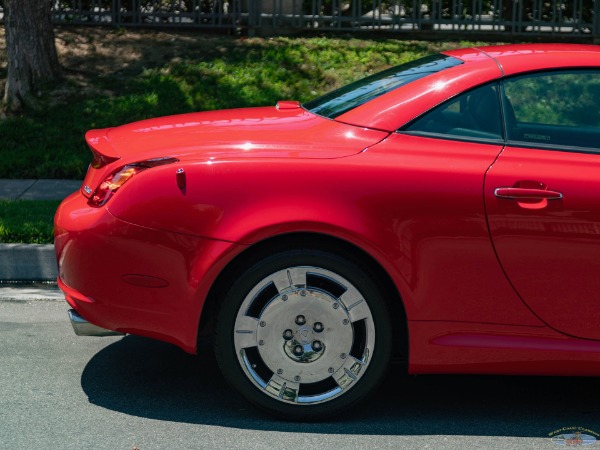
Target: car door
437,210
542,197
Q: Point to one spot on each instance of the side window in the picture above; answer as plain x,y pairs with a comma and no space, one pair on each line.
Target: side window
554,109
474,115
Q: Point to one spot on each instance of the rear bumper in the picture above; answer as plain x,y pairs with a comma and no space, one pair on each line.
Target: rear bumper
133,279
83,328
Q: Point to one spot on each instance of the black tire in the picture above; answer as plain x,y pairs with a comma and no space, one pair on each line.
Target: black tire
308,350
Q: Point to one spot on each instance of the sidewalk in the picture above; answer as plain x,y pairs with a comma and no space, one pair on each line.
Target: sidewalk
37,189
31,262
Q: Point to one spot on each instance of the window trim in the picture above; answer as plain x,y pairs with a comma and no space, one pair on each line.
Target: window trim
452,137
554,148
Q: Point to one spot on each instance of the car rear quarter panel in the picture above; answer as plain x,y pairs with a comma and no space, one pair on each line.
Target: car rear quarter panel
417,213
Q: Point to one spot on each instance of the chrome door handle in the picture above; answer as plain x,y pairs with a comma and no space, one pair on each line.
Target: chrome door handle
526,193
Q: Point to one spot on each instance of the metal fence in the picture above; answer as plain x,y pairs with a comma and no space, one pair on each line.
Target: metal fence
536,18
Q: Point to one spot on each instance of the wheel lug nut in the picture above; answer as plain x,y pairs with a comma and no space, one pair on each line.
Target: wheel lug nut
297,378
298,350
303,293
336,305
345,321
261,342
330,370
317,346
318,327
263,323
284,297
300,320
279,371
343,356
288,334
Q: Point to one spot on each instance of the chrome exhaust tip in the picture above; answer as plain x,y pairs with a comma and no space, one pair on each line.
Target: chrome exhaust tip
83,328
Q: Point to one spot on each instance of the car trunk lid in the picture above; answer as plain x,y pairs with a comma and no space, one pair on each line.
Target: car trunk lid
286,130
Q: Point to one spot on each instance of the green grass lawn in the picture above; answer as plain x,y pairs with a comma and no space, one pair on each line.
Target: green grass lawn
27,221
213,73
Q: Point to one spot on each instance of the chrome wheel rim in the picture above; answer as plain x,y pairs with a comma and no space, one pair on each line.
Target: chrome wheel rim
304,335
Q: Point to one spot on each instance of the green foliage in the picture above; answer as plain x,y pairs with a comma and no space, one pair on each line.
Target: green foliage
27,221
225,73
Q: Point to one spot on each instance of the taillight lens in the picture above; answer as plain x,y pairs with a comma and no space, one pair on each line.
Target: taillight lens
119,177
111,184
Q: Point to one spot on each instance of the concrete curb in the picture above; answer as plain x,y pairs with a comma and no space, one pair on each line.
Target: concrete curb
31,262
26,292
27,262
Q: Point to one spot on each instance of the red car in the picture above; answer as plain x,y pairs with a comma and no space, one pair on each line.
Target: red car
445,211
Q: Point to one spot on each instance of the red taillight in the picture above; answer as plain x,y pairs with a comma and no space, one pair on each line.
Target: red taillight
111,184
119,177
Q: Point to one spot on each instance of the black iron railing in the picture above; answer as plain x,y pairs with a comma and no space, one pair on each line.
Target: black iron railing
570,18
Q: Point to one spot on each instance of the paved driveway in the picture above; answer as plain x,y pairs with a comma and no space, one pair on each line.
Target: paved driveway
58,390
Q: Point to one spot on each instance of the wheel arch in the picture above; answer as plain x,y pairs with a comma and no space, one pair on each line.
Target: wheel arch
310,240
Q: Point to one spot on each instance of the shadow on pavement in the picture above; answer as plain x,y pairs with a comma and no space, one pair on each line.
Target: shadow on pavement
151,379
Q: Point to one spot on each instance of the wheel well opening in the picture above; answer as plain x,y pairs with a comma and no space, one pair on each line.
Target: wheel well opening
308,241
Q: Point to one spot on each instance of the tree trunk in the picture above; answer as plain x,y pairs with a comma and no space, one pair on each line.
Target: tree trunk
32,58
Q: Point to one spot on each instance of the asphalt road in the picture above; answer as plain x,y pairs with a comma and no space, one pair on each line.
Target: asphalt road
60,391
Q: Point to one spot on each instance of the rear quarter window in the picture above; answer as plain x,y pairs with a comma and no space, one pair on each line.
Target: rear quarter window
342,100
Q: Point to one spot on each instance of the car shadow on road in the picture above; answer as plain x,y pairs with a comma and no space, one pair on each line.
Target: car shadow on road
151,379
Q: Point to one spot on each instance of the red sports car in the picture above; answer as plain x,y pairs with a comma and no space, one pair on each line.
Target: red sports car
445,211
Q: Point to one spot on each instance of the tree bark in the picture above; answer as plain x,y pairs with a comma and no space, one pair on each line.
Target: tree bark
32,59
